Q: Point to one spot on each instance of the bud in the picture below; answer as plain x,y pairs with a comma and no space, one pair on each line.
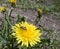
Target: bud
39,12
12,2
3,9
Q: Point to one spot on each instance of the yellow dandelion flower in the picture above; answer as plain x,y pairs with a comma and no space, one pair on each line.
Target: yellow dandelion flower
12,1
3,9
40,11
26,33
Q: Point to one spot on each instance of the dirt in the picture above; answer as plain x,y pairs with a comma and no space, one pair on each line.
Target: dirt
50,20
